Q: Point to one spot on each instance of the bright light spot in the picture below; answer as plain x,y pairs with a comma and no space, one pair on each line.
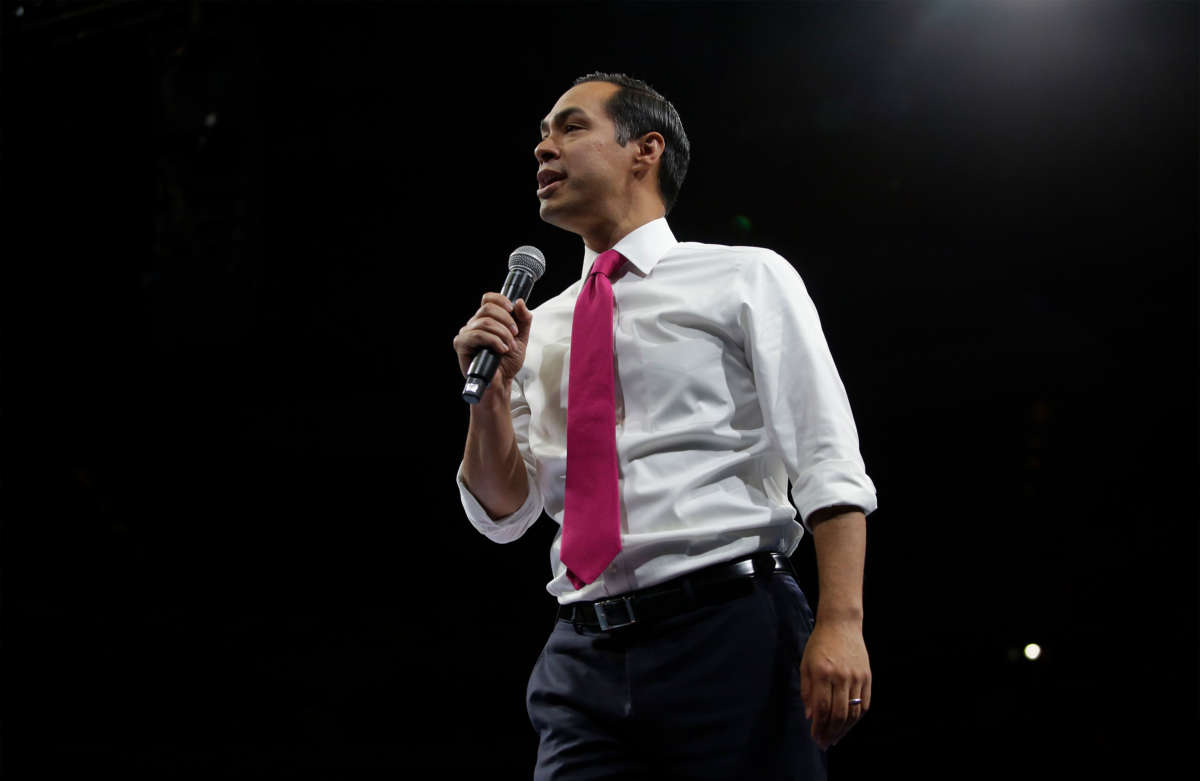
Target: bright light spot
1033,651
210,120
20,10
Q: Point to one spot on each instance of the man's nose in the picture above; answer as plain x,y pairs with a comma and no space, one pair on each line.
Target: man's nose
545,151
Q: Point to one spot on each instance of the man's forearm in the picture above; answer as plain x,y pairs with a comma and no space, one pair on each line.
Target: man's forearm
840,538
493,469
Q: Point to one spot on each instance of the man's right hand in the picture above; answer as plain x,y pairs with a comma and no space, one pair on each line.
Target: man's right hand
493,469
502,327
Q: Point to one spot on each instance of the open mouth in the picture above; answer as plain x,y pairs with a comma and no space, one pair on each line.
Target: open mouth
548,180
545,191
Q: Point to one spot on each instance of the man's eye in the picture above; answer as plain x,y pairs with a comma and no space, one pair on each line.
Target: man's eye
567,128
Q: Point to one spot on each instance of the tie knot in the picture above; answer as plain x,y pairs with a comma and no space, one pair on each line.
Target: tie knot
607,262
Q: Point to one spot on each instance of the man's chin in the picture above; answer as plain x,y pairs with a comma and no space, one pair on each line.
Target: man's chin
551,213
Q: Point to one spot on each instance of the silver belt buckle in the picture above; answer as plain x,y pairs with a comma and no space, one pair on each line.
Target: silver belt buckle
602,609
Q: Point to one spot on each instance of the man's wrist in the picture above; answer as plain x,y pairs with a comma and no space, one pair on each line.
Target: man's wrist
843,615
494,399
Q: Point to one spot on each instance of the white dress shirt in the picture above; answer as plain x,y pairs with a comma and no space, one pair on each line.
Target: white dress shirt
725,390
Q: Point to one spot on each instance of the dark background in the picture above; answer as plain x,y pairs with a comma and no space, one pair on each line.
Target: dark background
234,545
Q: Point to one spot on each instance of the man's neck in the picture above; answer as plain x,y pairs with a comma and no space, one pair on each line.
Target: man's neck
605,237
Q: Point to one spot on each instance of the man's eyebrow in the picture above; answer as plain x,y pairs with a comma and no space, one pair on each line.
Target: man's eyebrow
560,117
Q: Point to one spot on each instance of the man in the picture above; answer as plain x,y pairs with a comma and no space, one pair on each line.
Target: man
683,647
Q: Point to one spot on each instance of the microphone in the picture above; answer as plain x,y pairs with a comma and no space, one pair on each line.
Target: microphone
525,266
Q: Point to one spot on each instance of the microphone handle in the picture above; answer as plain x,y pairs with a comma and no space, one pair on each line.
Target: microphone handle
518,284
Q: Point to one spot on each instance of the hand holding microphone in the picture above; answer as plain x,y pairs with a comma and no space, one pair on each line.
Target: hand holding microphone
495,338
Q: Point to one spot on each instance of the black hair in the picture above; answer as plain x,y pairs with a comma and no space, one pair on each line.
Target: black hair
636,109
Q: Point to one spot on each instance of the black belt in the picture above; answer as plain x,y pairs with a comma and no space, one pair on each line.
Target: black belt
708,586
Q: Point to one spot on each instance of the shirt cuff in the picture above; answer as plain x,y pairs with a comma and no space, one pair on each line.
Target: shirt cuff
831,483
504,529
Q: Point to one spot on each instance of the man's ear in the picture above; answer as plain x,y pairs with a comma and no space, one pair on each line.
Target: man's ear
649,149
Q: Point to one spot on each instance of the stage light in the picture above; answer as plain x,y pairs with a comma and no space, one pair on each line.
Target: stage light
1033,651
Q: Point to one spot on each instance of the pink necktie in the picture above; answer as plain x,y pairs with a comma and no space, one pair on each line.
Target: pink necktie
591,535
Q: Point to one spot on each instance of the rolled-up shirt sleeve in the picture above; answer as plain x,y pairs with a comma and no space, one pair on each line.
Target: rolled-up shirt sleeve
803,400
510,527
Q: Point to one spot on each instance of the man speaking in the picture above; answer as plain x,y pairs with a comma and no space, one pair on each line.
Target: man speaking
656,410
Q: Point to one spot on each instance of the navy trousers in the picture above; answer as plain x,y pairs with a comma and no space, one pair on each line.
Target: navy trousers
711,693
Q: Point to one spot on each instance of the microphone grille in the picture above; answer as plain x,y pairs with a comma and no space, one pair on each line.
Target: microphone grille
529,258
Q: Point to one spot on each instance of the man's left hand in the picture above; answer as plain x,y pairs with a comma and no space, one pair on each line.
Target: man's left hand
834,670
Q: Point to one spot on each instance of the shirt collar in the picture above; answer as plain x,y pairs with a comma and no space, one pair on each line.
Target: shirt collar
643,247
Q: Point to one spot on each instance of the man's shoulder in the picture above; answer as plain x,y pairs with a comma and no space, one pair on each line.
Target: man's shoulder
725,250
743,272
736,259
